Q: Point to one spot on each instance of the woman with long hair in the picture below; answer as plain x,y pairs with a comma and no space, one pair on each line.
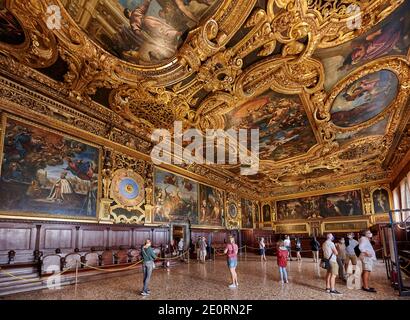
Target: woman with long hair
231,252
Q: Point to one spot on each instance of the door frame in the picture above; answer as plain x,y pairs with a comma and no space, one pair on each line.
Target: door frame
187,236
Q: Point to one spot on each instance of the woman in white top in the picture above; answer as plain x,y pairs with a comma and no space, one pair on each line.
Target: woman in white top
181,249
287,244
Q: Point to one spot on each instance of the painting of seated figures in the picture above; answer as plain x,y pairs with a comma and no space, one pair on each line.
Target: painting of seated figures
45,173
348,203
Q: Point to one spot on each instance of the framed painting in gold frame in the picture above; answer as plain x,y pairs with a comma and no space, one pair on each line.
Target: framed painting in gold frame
381,200
211,208
175,198
46,174
246,214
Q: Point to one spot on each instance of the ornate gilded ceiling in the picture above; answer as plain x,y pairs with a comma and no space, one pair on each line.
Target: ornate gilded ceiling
326,82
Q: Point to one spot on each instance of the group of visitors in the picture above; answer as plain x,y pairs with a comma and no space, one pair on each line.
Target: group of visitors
342,253
336,258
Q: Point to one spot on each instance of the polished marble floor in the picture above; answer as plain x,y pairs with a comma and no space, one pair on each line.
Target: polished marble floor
257,280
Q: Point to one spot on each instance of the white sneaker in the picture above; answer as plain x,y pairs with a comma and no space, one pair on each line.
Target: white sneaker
232,286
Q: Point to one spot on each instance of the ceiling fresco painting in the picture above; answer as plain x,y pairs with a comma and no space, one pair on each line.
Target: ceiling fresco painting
377,129
284,127
146,31
364,99
390,37
331,102
11,31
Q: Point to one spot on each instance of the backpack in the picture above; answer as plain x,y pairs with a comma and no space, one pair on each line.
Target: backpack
357,251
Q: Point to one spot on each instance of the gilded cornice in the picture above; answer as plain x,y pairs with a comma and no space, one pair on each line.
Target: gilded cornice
209,77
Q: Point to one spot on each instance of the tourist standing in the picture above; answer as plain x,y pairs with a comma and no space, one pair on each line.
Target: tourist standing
231,252
315,247
341,257
330,253
262,249
181,248
148,257
298,249
203,246
350,253
198,248
288,245
282,259
367,256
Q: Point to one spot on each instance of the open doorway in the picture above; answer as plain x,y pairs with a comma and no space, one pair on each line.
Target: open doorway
180,231
177,233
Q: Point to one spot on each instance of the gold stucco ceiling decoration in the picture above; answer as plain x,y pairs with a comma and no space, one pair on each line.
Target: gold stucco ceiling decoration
329,98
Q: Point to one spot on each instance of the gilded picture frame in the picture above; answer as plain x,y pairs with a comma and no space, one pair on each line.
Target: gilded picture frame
376,209
42,215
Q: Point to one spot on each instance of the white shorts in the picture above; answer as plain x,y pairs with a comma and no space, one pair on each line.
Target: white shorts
367,263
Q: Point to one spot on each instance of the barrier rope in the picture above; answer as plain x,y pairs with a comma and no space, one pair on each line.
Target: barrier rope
174,258
130,266
405,266
26,279
111,270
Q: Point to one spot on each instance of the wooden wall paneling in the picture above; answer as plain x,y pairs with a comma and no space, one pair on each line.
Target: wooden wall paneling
20,238
107,238
120,237
55,236
140,235
77,237
92,237
160,237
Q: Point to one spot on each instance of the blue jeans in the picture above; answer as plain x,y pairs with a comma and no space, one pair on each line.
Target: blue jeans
283,274
147,268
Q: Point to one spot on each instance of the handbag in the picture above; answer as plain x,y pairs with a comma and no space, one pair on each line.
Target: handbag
325,263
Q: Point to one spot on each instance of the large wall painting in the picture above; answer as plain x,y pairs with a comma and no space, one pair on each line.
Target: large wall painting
246,211
381,202
147,31
284,127
348,203
211,206
365,98
390,37
45,173
176,198
267,216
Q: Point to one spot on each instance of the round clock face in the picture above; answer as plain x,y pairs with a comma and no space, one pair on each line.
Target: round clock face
232,210
127,188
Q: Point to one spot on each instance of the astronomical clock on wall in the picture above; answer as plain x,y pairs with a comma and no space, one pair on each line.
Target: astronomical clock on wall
127,188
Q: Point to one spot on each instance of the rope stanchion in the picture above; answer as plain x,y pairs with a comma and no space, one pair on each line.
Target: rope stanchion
76,277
